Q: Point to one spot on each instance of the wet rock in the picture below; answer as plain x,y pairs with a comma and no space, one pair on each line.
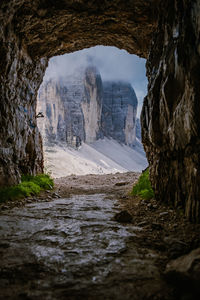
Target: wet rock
123,217
163,214
175,247
149,205
155,206
144,223
56,195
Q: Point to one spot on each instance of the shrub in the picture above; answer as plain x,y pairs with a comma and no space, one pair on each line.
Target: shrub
30,185
143,187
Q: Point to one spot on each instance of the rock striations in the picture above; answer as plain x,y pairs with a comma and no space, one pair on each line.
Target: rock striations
81,108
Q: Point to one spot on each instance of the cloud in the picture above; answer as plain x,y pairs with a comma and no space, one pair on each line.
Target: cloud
113,64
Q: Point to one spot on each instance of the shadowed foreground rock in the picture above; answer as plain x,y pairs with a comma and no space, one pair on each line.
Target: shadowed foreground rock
184,273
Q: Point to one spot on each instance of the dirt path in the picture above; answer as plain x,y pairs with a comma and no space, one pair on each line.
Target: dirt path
66,244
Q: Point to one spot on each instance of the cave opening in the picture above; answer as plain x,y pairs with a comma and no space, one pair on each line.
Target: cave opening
88,112
37,257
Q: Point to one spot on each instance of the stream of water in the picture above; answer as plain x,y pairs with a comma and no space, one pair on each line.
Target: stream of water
72,249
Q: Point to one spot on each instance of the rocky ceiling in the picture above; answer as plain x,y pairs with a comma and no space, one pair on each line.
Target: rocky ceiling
48,28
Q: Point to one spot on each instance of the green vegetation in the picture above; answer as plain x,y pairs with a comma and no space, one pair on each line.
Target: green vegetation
143,187
30,185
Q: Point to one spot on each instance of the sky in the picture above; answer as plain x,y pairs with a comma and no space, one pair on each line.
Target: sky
112,63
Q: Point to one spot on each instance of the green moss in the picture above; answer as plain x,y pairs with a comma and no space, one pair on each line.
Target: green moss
43,180
143,187
30,185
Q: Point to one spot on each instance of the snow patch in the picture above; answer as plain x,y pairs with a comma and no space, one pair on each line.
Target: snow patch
101,157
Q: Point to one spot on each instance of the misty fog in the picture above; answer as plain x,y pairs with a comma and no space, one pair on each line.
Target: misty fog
113,64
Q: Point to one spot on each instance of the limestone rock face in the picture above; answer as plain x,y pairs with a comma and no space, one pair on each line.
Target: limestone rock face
52,107
72,108
81,109
60,102
119,112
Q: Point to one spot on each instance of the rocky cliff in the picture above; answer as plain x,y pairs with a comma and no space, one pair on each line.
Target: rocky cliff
82,109
72,107
60,102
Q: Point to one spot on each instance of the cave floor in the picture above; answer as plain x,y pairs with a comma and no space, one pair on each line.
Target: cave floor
66,244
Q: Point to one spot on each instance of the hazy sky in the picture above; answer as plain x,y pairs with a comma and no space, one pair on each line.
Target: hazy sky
113,64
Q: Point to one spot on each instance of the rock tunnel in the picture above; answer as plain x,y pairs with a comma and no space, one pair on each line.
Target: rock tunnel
167,34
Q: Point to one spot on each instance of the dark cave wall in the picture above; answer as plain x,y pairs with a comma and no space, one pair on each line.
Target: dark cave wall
20,141
171,112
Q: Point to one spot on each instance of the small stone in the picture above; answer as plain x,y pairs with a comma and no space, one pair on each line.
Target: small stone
55,195
123,217
149,205
162,214
29,201
5,207
175,247
144,223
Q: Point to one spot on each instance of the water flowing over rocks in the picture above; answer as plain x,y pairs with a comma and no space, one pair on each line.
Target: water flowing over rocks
71,247
33,31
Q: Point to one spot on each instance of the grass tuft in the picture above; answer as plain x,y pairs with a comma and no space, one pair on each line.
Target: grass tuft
30,185
143,187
